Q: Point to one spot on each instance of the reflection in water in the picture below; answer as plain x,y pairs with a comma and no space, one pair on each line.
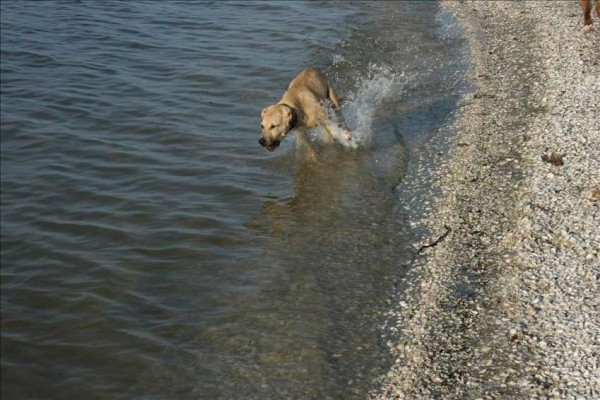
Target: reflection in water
336,244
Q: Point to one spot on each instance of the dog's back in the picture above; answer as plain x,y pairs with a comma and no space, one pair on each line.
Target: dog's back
311,79
316,82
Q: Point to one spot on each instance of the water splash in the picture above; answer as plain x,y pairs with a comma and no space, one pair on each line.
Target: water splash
360,107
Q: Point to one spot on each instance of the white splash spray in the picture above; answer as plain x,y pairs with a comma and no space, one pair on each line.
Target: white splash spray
360,107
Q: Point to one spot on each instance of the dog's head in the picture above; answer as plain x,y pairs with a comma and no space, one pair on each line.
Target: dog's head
276,122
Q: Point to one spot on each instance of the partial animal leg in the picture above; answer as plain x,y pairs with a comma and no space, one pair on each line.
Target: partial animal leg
331,128
334,99
586,6
302,141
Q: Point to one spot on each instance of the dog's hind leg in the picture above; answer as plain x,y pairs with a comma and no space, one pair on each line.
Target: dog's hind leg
330,136
337,132
334,99
341,123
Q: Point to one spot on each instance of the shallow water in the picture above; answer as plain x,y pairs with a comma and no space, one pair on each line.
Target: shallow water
151,248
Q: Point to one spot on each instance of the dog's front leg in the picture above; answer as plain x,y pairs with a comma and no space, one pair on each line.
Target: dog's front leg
302,140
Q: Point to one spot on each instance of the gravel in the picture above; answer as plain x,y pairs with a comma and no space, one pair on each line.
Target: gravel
507,305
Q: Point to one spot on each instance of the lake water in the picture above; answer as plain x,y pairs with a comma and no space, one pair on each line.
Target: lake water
150,248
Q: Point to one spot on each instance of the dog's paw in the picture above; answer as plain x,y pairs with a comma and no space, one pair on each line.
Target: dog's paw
587,29
347,135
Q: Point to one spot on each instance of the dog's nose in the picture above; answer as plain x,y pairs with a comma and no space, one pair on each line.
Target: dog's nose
262,142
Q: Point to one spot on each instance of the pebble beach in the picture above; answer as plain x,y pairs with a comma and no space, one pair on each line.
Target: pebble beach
503,300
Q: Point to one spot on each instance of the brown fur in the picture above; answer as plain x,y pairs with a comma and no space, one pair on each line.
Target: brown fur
301,107
586,6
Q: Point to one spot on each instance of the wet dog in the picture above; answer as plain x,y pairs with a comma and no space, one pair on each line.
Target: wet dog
586,6
302,107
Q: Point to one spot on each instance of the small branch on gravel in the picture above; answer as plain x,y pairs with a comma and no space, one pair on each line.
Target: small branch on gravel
425,246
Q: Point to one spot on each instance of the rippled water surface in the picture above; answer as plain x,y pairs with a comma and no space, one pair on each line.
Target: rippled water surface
151,248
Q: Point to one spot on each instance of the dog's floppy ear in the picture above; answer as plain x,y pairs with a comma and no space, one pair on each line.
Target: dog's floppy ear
264,110
287,116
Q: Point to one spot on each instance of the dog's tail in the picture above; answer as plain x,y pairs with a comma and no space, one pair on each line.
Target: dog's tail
333,97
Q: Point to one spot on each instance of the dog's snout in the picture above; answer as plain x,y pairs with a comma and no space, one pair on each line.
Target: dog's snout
276,143
262,142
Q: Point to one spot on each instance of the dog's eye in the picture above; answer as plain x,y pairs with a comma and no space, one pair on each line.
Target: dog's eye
262,126
274,126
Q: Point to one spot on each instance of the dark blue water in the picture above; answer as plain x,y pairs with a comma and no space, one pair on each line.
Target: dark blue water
150,248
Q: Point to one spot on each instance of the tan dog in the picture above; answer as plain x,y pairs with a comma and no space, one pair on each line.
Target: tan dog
586,6
301,108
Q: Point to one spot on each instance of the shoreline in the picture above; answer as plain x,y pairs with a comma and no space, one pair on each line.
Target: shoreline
508,304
